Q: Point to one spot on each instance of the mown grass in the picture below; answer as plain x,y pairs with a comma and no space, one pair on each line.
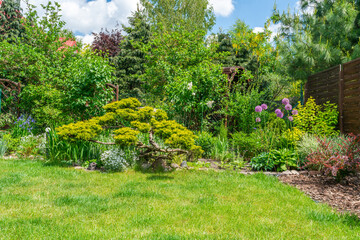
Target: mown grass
50,202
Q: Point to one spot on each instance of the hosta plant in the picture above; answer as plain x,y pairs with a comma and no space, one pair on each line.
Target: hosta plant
131,122
278,160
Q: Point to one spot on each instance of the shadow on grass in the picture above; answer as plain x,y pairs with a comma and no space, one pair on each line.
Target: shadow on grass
344,218
159,177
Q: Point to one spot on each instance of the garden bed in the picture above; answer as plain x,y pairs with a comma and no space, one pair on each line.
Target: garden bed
344,196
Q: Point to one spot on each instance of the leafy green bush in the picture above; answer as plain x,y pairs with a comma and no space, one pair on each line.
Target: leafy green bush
6,119
278,160
241,109
206,141
247,145
11,143
317,119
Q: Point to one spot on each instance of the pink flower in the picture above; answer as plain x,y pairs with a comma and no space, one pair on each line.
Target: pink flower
290,118
295,112
277,111
258,109
288,107
264,106
258,119
285,101
280,115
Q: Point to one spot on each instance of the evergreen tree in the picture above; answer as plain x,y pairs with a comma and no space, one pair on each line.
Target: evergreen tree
130,61
321,35
10,20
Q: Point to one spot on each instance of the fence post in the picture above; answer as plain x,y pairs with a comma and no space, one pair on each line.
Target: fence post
341,97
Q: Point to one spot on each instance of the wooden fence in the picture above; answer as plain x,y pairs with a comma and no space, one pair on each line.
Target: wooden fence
340,85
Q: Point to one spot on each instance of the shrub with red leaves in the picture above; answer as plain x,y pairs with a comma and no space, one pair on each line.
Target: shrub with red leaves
339,159
107,42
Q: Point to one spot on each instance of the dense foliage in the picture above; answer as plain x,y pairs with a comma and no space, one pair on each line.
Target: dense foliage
141,127
10,20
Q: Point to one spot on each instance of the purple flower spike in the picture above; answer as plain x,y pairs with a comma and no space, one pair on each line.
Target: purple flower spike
277,111
264,106
290,118
295,112
280,115
288,107
258,119
258,109
285,101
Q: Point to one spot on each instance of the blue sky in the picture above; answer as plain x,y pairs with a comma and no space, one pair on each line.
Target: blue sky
84,17
253,12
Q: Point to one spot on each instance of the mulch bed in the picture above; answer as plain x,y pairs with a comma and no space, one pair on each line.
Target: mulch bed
344,196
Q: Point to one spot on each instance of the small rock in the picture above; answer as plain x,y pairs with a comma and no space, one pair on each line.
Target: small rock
271,173
167,169
314,173
174,165
287,172
145,166
79,167
294,172
203,169
184,164
92,166
303,172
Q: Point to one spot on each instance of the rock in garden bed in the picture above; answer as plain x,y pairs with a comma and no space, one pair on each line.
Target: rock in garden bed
344,196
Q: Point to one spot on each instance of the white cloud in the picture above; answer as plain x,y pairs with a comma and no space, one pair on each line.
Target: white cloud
86,17
258,29
222,7
87,39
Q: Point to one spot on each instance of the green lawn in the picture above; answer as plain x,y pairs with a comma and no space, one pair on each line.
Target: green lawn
50,202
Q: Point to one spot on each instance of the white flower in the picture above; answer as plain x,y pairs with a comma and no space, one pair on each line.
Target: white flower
190,86
193,94
118,160
47,129
209,104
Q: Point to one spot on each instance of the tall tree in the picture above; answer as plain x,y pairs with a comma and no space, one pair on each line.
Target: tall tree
171,14
10,20
322,34
130,60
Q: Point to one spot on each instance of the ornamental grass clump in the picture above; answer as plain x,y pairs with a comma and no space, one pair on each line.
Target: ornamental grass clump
131,122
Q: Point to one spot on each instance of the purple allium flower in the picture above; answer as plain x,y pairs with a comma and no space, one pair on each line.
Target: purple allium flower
288,107
280,115
258,109
285,101
258,119
290,118
264,106
295,112
277,111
